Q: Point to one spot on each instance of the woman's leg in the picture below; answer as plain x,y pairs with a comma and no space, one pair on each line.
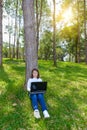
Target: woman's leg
35,105
41,100
43,105
34,101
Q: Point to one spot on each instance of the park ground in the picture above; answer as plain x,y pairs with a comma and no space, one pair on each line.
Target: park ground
66,97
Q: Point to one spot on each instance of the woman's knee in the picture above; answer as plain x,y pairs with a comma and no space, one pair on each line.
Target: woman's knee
33,96
40,95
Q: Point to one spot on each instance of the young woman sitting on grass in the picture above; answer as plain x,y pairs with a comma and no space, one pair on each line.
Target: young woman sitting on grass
35,98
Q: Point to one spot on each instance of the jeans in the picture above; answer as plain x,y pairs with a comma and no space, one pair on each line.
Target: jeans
35,98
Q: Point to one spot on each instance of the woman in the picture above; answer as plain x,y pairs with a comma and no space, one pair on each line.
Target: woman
35,98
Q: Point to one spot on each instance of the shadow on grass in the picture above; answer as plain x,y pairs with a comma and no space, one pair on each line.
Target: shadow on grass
62,101
65,100
12,100
65,113
17,65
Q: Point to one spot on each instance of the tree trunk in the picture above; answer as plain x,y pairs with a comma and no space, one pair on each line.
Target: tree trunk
30,37
76,46
15,32
78,42
9,46
0,32
18,31
17,49
9,35
85,29
37,26
38,20
54,35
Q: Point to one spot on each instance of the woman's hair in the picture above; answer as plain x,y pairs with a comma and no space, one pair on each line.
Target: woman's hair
37,72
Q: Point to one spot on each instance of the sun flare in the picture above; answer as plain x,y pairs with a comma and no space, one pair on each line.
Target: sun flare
67,15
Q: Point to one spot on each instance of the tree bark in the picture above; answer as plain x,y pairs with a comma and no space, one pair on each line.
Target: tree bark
76,48
15,32
85,29
9,35
38,20
78,42
0,32
54,35
30,37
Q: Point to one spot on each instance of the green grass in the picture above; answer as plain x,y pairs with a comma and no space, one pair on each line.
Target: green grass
66,97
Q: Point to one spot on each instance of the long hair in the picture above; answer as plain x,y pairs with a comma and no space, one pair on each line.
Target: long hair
37,72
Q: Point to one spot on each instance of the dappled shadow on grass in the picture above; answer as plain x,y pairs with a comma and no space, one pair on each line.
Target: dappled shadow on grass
3,74
12,103
13,114
63,99
12,61
66,85
16,65
66,72
70,72
19,69
65,113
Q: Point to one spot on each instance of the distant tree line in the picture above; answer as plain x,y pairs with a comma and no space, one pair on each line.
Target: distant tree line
68,39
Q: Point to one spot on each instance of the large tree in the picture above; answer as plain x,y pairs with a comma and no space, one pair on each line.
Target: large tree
0,32
30,36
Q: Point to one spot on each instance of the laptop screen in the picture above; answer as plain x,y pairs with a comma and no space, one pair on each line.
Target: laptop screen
38,87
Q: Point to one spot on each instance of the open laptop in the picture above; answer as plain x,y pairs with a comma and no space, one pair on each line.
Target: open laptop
38,87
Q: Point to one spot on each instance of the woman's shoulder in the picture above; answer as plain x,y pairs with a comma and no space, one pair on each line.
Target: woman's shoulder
30,79
34,79
39,79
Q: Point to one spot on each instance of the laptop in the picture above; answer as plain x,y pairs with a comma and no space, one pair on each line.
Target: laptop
38,87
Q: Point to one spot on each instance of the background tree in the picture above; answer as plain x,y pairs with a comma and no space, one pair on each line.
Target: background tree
15,32
78,41
30,37
13,11
38,19
54,33
70,29
0,32
41,12
85,28
46,45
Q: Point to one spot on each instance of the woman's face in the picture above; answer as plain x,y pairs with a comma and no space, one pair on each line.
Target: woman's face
35,74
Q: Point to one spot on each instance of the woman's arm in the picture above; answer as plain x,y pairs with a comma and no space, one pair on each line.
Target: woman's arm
40,80
29,85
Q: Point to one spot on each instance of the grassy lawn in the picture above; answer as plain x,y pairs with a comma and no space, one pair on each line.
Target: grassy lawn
66,97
